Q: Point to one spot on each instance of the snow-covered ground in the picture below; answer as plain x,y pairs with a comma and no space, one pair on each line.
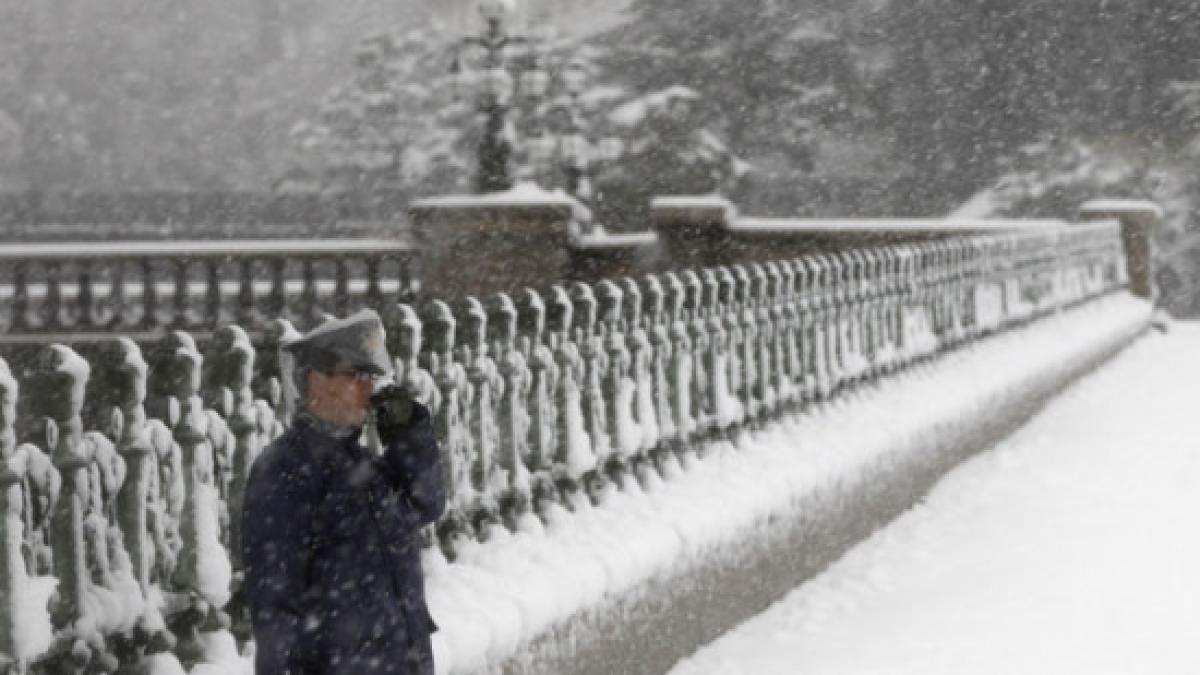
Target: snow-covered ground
1072,547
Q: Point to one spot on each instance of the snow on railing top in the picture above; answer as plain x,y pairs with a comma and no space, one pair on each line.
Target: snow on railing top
123,473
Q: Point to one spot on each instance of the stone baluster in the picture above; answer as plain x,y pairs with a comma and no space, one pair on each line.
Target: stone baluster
616,384
842,310
682,359
485,390
747,348
149,296
122,372
450,421
405,339
827,323
543,416
701,339
310,304
51,308
202,572
20,300
182,309
778,284
212,293
277,306
658,331
341,283
85,301
765,327
231,367
806,332
789,322
574,456
374,292
245,314
641,354
884,353
274,375
722,360
118,304
595,362
513,418
56,392
13,564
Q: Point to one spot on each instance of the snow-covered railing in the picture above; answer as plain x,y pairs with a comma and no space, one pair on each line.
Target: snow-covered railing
122,475
123,287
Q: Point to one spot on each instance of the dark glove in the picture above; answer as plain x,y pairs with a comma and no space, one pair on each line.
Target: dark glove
393,408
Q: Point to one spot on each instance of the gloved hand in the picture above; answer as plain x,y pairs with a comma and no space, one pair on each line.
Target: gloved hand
393,408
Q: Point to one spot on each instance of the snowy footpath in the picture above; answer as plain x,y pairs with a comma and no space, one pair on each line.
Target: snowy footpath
1072,547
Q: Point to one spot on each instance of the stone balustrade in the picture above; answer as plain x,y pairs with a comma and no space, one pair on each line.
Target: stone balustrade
74,290
122,473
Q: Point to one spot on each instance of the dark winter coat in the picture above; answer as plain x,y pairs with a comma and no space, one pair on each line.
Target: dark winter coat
331,545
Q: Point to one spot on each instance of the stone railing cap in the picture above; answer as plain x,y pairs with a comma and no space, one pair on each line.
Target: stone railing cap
523,195
1113,206
200,248
607,241
775,226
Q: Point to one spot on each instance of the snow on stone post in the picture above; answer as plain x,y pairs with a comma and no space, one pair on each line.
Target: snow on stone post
122,371
404,337
450,422
231,361
722,362
1137,220
272,363
486,386
765,325
701,339
543,374
574,456
842,311
513,417
202,572
641,352
658,333
716,361
748,353
55,391
682,359
616,386
595,364
14,583
802,299
787,319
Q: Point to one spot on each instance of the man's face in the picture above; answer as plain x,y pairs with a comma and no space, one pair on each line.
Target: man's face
342,397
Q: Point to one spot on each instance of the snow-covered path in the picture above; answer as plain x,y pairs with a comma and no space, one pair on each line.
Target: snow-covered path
1073,547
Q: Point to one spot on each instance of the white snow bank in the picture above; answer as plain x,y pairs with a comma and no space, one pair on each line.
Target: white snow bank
511,590
1070,548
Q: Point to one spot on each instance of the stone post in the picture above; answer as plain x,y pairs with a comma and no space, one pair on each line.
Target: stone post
12,561
543,418
513,419
1137,219
485,386
232,365
455,442
481,244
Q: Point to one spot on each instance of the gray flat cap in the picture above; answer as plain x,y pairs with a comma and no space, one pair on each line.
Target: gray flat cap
353,343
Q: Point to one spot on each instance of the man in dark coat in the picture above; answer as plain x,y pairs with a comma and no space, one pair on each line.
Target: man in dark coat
330,531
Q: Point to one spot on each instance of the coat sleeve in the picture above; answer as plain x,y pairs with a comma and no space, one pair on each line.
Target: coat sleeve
276,548
414,466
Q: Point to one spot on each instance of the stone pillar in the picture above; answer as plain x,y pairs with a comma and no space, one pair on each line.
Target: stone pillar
1137,220
481,244
693,230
